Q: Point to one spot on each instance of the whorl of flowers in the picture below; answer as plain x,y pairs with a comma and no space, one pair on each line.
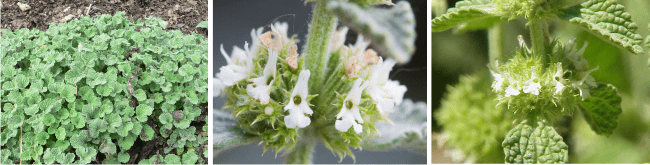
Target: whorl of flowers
548,87
266,85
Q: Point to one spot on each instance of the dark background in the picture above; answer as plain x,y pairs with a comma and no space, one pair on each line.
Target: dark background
233,21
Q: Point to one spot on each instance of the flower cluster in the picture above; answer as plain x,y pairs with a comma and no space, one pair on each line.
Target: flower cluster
267,89
557,86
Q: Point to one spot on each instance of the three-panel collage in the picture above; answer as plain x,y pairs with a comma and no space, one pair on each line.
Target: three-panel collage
324,81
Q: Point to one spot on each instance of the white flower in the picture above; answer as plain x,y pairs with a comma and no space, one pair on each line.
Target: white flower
277,38
559,81
572,53
512,90
350,111
384,92
498,81
262,87
586,82
240,64
255,35
298,106
533,85
217,86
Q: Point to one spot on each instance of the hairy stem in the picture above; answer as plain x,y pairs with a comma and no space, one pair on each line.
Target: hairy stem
496,43
303,152
538,38
322,25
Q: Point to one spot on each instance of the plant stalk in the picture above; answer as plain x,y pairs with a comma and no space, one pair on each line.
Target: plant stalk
303,152
496,43
538,38
318,39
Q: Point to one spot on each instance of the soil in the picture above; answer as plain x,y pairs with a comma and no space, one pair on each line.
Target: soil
183,15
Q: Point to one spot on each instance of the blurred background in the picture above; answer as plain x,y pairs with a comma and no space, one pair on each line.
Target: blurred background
459,54
233,21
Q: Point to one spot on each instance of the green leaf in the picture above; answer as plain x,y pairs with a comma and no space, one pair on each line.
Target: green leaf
602,109
478,14
525,144
67,159
190,157
126,142
60,133
172,159
392,31
50,155
187,70
203,24
20,81
609,20
124,131
31,110
68,92
86,154
143,112
165,118
227,134
147,134
123,157
108,147
140,95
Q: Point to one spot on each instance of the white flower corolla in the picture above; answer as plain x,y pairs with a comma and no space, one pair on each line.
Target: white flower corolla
498,81
532,85
559,80
586,82
239,66
217,86
350,111
512,90
262,87
575,55
255,45
298,105
385,93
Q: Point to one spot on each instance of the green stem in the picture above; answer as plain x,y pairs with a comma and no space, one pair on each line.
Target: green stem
496,43
303,152
538,38
322,25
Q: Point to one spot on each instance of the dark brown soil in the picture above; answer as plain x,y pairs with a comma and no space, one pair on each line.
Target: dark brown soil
183,15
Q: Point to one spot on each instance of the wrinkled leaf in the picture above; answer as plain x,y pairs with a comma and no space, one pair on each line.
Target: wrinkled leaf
541,144
602,109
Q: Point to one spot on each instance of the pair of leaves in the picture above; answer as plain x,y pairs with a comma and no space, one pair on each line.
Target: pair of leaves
605,18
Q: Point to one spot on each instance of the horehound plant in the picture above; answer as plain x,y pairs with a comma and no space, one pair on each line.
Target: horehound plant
533,88
335,94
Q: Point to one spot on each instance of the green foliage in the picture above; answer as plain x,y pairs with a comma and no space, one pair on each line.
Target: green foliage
93,86
478,14
609,20
481,137
535,144
601,110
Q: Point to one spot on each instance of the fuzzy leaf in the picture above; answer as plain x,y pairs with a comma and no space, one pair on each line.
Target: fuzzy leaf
60,133
602,109
408,129
50,154
143,112
140,95
525,144
226,133
190,157
108,147
609,20
123,157
172,159
147,134
468,13
392,31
